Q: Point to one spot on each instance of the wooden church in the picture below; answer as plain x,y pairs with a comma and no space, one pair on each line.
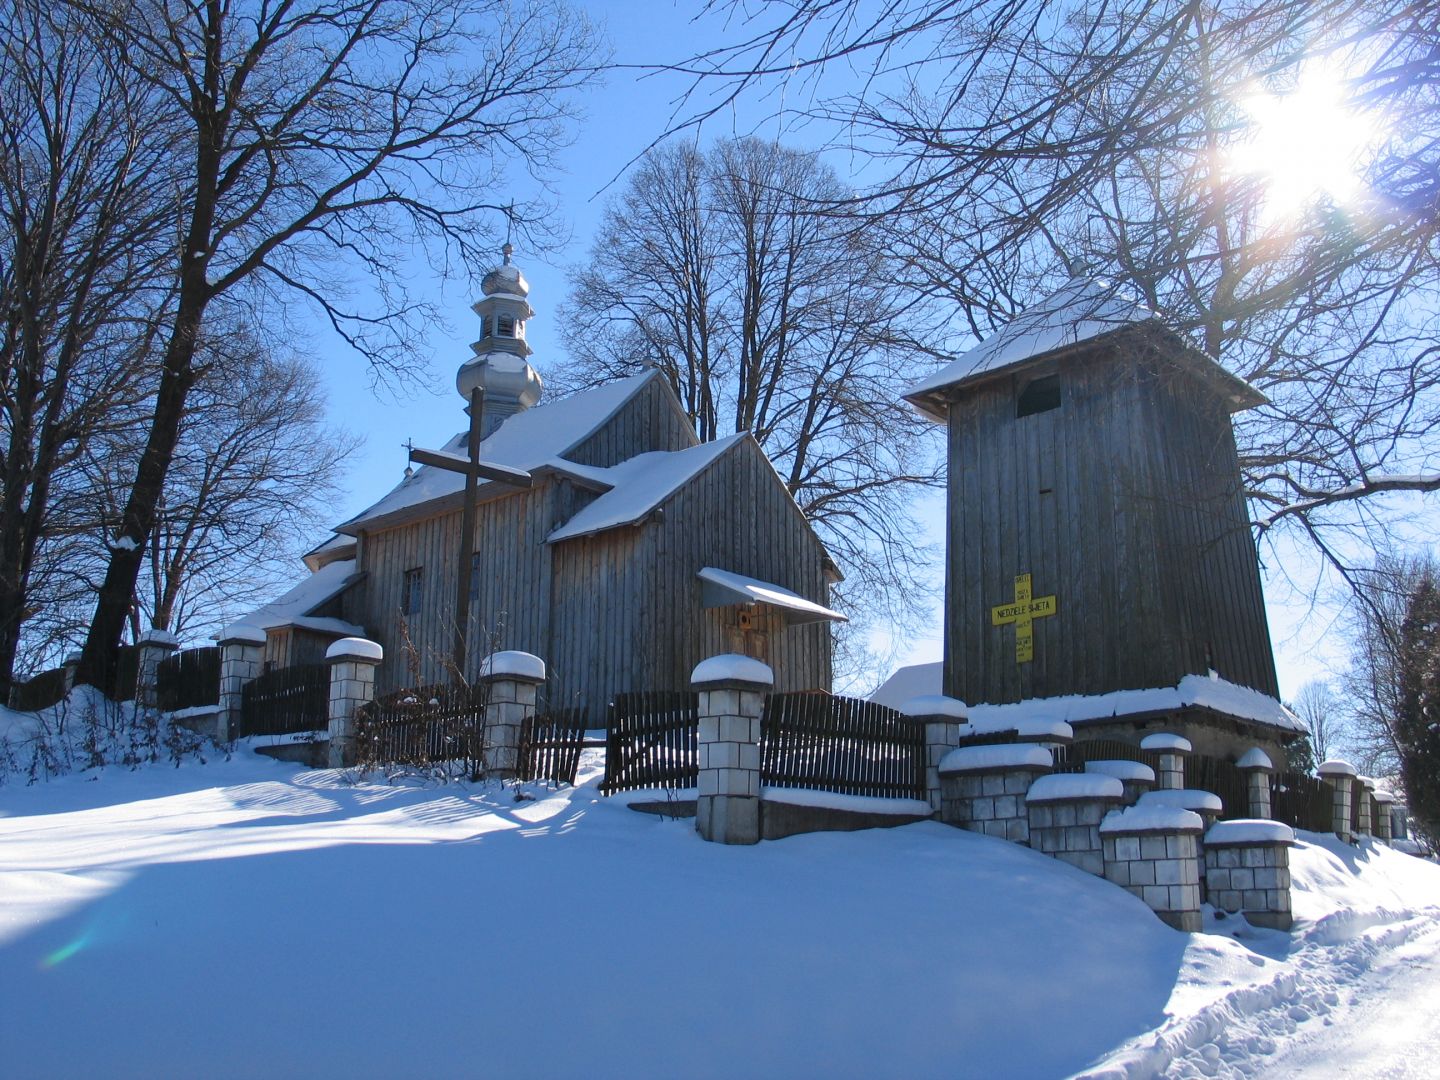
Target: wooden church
1097,542
605,539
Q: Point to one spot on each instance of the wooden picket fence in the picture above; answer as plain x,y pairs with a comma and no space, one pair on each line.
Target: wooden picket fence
286,701
40,692
651,741
1301,801
423,726
188,679
550,746
840,744
1220,778
1072,758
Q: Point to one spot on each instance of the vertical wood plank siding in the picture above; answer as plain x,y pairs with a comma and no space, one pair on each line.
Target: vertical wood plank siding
650,420
1125,503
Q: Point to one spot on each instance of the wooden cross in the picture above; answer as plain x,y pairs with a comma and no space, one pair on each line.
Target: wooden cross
473,469
1022,612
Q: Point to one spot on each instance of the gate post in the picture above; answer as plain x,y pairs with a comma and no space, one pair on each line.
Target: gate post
732,692
1172,750
1340,775
942,717
352,663
512,679
1257,767
154,646
242,650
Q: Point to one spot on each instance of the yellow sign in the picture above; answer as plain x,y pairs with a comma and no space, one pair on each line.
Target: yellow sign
1021,613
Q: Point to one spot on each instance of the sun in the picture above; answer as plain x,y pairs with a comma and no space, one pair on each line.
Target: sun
1307,144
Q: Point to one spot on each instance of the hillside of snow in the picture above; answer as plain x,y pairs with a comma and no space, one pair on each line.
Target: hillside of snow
248,918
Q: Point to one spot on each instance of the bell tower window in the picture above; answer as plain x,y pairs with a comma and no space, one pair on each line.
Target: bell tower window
504,326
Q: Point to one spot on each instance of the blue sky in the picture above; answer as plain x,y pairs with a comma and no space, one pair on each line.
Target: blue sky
622,118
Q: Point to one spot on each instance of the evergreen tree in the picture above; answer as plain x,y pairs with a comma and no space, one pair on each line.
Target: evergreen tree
1417,727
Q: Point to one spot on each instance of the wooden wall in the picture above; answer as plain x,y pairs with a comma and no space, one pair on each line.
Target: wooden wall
650,420
1125,504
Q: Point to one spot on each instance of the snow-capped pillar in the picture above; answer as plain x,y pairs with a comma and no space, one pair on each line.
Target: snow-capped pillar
1154,853
242,653
1172,750
732,692
512,681
153,647
1257,767
1340,775
983,788
1383,801
1065,811
1364,790
1247,869
352,663
1136,776
943,718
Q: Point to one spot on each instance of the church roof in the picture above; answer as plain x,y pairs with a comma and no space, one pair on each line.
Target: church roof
1082,309
293,608
527,440
638,485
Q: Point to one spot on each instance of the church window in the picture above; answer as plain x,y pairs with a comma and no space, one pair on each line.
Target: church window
504,326
410,591
1039,395
484,325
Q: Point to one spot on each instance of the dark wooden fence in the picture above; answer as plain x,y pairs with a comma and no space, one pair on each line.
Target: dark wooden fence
1220,778
188,679
423,727
1357,789
44,690
841,744
286,701
1072,758
550,746
651,741
1301,801
123,674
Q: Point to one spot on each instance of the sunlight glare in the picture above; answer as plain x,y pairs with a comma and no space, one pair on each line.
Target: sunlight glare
1306,143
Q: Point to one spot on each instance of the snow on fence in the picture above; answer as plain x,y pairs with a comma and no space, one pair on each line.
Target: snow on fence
1222,778
841,744
286,701
188,679
1301,801
652,741
1073,758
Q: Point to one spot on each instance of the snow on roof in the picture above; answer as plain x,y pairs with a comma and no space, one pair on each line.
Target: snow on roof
1001,756
1061,786
1035,726
916,680
525,441
1208,691
290,608
724,587
1081,309
1249,831
640,484
1151,818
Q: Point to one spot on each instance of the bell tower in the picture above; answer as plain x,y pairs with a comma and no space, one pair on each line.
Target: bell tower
501,365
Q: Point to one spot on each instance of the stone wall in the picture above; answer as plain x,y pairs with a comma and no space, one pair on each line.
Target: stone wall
1247,870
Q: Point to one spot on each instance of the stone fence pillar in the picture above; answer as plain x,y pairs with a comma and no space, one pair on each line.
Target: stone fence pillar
1137,777
352,663
1153,852
153,647
944,719
1340,775
242,653
1364,790
1247,869
732,692
1172,750
1257,767
513,681
983,788
1383,801
1065,811
70,666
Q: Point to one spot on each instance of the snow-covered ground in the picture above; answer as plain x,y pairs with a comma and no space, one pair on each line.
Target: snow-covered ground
248,918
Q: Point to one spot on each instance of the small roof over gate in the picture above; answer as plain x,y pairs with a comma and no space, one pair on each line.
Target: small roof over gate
721,588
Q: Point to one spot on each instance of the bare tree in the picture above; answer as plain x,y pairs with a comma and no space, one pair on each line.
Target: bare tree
86,222
1321,709
768,311
1019,136
327,138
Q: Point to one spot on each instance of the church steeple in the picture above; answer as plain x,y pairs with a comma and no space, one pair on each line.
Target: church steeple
500,365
